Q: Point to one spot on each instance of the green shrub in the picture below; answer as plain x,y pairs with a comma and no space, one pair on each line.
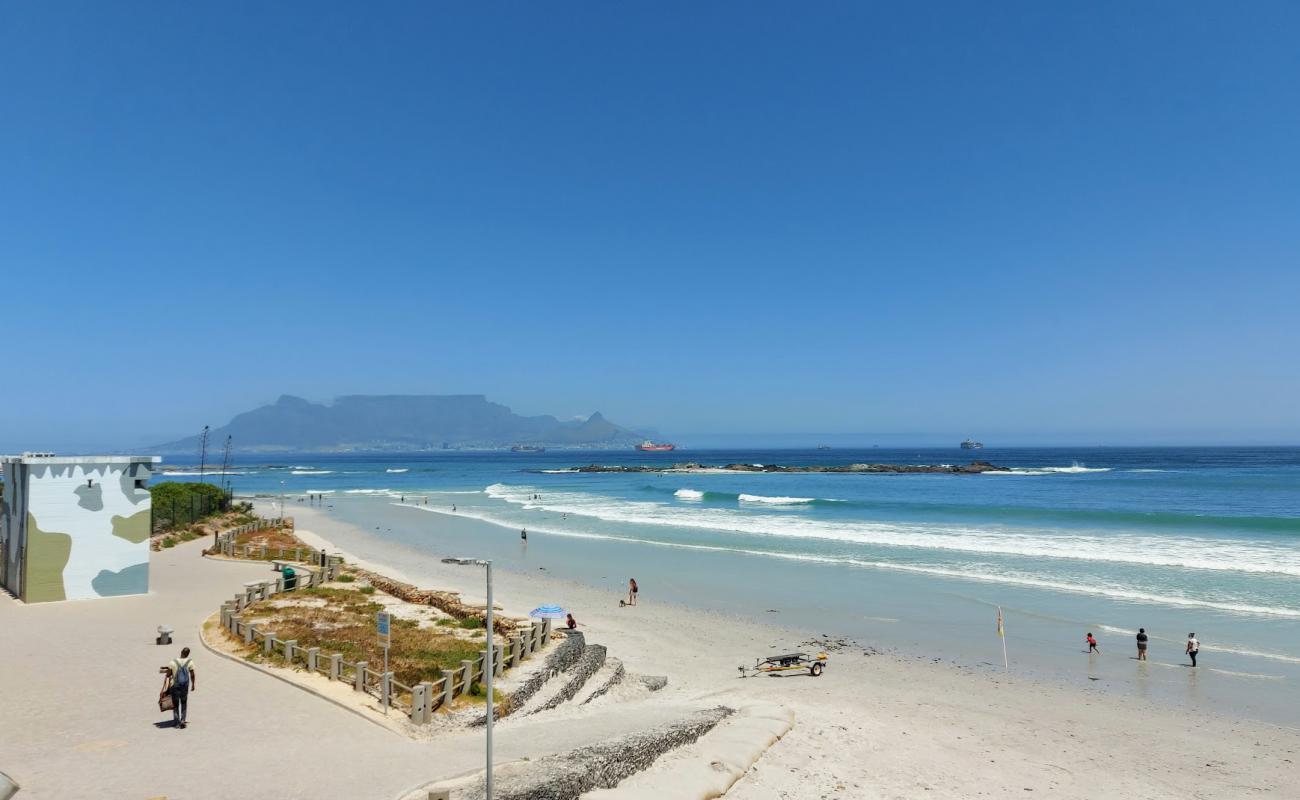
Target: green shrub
446,622
169,542
470,623
367,590
345,579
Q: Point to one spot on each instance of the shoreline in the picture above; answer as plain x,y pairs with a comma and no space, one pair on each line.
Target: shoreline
892,710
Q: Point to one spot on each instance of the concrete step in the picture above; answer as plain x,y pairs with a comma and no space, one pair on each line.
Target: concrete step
593,658
606,678
709,766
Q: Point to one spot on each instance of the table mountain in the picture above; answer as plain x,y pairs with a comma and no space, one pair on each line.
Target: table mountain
403,423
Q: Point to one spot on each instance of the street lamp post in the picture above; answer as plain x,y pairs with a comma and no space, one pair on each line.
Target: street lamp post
281,502
487,661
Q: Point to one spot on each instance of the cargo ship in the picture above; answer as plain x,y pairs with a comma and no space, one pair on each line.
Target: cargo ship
971,444
527,448
655,447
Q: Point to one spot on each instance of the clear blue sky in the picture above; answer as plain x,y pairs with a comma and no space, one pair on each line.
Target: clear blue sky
1021,220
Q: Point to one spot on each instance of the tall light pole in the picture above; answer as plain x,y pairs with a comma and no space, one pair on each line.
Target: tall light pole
487,660
281,502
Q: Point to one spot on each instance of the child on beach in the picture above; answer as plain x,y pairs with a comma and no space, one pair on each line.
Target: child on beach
1092,644
1142,644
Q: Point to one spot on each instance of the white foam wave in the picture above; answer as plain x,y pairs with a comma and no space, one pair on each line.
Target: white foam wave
568,471
318,491
776,501
312,472
980,576
370,491
301,466
1166,551
689,494
207,473
1077,469
403,469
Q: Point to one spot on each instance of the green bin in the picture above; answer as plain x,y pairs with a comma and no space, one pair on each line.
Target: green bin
290,578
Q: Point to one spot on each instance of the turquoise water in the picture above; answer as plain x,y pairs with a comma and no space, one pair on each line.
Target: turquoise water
1077,539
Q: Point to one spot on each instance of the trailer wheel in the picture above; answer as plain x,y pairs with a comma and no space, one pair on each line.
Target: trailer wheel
816,670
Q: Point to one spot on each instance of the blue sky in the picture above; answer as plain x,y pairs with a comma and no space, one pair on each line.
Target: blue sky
1025,221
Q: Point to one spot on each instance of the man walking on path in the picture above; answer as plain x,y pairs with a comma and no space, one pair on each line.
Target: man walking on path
1193,647
180,681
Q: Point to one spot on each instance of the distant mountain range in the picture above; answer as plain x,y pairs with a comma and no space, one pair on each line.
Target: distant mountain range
400,423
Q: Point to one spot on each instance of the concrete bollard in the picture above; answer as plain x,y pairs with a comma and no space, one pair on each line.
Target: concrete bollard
448,687
239,602
297,554
336,666
420,702
268,644
360,684
232,624
386,689
467,674
516,651
498,667
536,641
279,584
225,617
249,632
313,658
546,631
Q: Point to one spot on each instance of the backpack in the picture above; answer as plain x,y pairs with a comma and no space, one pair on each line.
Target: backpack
181,674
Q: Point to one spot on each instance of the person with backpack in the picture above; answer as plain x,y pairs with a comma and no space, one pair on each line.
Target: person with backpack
180,680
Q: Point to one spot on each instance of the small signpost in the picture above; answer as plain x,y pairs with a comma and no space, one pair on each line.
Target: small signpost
383,623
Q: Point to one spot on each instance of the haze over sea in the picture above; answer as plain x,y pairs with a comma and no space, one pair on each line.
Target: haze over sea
1071,540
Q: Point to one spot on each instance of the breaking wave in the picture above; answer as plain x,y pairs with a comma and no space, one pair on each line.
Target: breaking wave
311,472
775,501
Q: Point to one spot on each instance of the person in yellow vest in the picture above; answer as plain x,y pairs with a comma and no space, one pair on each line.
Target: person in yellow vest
180,680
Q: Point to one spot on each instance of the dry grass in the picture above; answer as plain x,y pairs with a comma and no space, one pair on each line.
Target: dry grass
274,540
342,620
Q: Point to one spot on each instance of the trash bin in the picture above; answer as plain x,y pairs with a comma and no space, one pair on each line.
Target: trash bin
290,578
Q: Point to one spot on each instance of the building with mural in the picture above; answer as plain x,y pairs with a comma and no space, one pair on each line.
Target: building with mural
75,527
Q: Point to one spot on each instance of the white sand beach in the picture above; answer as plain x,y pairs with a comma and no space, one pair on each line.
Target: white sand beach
885,725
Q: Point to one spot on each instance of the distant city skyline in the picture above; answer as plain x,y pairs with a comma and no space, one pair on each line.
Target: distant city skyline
1017,222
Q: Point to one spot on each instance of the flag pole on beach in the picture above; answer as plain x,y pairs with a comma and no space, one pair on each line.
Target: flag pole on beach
1002,634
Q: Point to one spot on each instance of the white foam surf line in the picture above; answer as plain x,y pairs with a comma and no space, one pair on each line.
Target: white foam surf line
776,501
311,472
404,469
688,494
1169,551
1091,590
210,473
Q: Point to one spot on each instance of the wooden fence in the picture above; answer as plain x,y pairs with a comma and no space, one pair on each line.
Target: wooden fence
417,702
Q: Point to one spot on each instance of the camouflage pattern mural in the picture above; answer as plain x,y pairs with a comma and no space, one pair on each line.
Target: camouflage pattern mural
77,527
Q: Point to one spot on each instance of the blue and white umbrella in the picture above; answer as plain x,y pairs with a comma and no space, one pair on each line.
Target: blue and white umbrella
548,612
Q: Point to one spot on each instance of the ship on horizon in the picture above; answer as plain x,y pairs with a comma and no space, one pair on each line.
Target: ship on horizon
655,447
528,448
971,444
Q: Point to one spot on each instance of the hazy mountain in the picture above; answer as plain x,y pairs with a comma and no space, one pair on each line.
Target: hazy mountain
401,422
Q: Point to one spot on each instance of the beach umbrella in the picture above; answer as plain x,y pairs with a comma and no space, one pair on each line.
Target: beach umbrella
547,612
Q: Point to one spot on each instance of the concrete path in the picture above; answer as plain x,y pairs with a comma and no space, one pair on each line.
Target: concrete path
79,717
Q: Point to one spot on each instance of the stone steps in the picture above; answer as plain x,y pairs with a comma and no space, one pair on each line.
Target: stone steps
609,676
593,658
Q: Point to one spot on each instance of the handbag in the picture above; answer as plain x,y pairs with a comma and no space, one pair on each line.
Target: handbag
165,702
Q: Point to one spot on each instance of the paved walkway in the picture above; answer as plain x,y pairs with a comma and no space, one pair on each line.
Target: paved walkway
79,717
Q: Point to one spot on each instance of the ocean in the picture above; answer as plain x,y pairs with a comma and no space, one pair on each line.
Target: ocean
1071,541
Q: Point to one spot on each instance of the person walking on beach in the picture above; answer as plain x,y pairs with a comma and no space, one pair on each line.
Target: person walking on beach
1142,644
1193,647
1092,644
631,591
523,535
180,680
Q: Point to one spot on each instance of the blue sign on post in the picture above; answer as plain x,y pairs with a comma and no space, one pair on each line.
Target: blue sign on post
382,620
